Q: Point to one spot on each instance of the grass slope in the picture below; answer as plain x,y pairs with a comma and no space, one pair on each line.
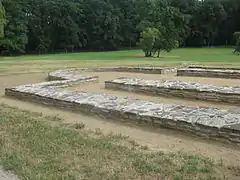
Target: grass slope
37,147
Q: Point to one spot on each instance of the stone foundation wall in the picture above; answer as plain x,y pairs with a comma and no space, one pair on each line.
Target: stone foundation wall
211,67
209,122
146,70
209,72
71,73
180,89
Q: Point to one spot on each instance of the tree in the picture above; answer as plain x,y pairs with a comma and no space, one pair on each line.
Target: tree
169,23
102,25
55,24
15,35
164,42
237,47
2,19
148,39
155,40
213,14
126,11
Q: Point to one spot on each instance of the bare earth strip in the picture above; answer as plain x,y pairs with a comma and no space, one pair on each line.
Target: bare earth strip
160,139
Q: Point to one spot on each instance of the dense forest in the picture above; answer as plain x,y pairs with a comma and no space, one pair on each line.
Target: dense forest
40,26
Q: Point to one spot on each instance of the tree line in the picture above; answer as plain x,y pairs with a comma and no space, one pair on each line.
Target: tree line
40,26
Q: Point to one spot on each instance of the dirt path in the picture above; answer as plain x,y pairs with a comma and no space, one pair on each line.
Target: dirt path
160,139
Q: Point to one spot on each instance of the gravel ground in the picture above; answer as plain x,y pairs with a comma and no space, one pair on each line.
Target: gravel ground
4,175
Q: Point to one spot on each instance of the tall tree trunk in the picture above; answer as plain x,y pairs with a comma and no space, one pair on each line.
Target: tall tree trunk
158,53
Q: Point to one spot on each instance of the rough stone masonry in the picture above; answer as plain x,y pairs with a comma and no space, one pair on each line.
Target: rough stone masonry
210,72
181,89
209,122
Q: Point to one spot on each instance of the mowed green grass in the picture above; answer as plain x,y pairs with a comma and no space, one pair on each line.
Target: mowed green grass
178,57
37,147
182,54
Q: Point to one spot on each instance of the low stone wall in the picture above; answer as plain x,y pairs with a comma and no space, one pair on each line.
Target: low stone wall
146,70
209,72
180,89
208,122
211,67
71,73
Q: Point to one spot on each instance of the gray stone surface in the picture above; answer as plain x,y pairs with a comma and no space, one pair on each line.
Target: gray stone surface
147,70
191,90
212,67
210,122
210,72
4,175
71,73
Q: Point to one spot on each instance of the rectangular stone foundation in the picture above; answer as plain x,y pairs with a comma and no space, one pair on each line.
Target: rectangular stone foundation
207,122
226,73
179,89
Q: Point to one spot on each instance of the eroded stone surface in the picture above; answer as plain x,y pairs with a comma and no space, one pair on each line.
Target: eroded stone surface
210,72
5,175
211,67
178,89
70,74
209,122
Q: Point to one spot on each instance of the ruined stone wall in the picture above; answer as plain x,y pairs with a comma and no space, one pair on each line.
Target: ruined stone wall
146,70
180,89
71,73
209,122
209,72
211,67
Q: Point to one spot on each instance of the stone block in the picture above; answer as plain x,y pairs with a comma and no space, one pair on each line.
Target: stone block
226,73
226,94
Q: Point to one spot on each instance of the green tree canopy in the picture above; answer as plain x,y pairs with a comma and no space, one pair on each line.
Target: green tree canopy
2,19
41,26
148,38
15,35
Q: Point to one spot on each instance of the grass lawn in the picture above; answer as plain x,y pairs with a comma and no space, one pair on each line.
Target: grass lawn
45,63
37,147
183,54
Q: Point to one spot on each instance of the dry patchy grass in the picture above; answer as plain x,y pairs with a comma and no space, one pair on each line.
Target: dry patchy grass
33,148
